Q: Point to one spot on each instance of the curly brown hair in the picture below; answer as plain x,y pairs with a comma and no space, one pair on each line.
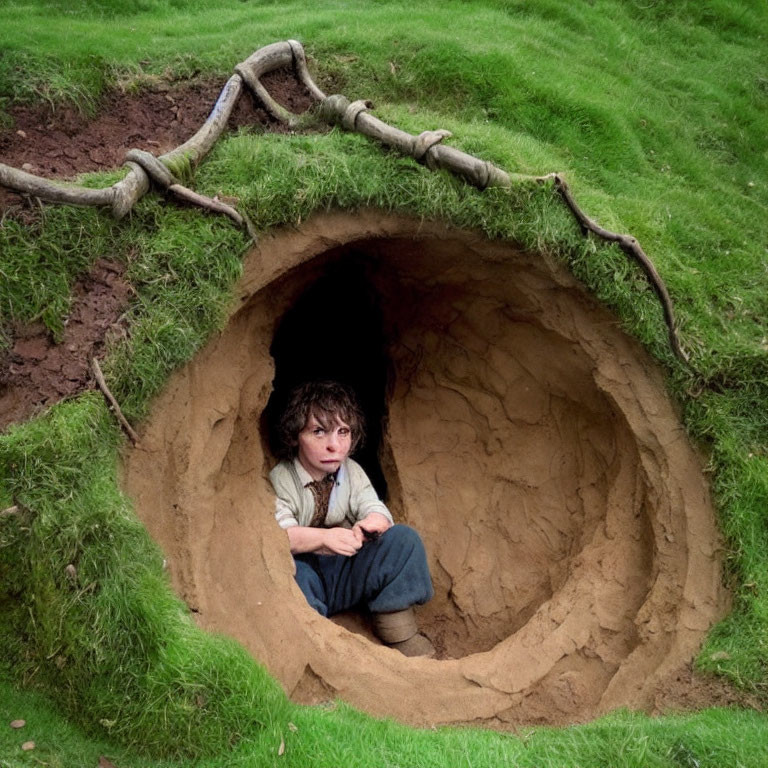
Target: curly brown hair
327,401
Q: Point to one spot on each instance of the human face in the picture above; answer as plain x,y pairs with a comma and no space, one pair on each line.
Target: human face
322,449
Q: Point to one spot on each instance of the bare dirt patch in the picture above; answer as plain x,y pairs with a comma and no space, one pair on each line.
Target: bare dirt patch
685,689
36,372
568,524
61,142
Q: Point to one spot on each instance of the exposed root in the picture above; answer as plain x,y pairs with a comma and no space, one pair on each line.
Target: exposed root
632,248
426,148
164,179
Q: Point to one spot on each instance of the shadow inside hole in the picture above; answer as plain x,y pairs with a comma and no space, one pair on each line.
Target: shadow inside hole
334,331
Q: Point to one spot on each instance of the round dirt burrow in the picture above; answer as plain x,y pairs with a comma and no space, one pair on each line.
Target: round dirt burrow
567,521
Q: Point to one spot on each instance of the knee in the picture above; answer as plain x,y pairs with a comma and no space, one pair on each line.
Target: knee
404,536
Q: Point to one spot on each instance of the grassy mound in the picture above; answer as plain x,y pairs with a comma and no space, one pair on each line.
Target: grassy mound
656,116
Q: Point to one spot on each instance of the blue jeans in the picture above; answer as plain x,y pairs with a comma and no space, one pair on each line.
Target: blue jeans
385,575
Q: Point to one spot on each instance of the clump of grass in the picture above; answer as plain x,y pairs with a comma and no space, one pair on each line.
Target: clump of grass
94,618
337,735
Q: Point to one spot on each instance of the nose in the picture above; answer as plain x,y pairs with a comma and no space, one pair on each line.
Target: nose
332,442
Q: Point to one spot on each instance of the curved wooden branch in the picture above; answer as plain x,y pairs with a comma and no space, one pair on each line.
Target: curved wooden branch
131,189
632,248
425,148
152,166
203,201
164,179
289,53
300,63
55,192
124,194
265,60
199,145
99,376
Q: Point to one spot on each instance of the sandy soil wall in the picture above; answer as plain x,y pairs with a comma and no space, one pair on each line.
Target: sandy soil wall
567,521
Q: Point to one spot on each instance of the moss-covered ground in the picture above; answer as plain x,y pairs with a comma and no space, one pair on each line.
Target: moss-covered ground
655,112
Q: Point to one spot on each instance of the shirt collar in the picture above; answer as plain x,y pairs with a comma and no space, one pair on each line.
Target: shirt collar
305,477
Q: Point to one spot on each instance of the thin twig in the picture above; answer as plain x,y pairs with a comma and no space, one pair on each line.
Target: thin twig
186,194
111,400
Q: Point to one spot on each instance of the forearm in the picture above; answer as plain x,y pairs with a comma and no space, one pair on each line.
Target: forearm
324,541
303,539
375,510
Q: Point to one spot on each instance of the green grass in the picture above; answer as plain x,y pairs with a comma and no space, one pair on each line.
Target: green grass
654,111
333,736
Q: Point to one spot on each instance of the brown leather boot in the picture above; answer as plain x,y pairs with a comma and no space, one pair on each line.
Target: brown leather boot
399,631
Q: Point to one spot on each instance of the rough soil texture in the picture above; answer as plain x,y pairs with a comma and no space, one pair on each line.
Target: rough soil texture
35,372
61,142
566,517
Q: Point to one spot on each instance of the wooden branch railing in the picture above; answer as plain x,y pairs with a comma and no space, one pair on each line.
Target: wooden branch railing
426,148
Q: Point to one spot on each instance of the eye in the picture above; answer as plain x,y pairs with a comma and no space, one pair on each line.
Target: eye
343,431
318,431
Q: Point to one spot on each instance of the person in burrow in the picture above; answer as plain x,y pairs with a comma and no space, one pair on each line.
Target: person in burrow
347,550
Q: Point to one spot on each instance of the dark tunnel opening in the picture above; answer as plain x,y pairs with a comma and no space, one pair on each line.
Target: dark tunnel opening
334,331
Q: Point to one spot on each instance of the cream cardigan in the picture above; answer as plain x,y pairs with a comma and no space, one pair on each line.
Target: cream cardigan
352,498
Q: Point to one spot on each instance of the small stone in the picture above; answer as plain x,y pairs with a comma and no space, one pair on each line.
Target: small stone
71,571
18,723
27,167
28,746
720,656
21,133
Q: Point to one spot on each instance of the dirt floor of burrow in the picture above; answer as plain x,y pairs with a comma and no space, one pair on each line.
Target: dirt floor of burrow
61,142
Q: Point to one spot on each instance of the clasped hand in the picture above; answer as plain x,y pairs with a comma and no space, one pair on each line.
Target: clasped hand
346,541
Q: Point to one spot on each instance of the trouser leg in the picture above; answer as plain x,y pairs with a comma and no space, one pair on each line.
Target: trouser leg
386,575
309,581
